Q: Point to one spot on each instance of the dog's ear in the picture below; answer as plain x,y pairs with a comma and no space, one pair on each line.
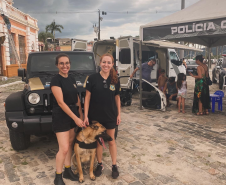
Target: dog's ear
93,126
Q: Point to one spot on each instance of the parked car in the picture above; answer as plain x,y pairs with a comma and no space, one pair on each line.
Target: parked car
29,112
191,66
219,72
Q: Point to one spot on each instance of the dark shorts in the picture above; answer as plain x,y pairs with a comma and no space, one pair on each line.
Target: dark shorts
107,125
174,98
61,122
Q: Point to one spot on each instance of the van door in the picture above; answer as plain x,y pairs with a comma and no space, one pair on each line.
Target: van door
78,45
125,59
175,65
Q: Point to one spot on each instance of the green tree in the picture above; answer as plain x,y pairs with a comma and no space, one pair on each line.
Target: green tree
42,36
54,27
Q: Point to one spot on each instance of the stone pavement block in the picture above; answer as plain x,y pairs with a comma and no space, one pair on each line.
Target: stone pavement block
27,180
164,179
2,175
141,176
151,182
136,183
11,172
128,178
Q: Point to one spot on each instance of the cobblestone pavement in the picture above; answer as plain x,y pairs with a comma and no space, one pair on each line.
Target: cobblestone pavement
154,148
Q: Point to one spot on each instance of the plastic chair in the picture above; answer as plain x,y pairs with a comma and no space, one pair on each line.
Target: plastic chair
219,100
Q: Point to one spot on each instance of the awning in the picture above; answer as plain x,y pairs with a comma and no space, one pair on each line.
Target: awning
167,44
194,24
171,45
2,38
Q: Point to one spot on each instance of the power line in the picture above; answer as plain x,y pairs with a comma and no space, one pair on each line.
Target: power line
111,12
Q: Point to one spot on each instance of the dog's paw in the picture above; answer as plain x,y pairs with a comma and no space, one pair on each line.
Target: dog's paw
81,180
93,178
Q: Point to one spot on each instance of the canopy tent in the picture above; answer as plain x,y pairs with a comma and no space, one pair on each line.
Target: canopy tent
202,23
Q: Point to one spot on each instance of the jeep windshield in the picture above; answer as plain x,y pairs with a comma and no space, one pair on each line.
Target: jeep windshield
44,63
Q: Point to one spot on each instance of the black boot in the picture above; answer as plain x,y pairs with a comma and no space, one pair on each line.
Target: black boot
68,174
59,180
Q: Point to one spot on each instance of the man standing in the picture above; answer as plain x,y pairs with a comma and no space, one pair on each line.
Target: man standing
147,67
7,22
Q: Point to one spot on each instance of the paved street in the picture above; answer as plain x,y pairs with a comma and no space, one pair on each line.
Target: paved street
154,148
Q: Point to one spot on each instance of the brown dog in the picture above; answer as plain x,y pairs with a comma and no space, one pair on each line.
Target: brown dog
85,147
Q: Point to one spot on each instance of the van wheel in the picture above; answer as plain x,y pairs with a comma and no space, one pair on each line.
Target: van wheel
19,141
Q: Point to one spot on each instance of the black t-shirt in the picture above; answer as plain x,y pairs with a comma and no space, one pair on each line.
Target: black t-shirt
102,106
69,89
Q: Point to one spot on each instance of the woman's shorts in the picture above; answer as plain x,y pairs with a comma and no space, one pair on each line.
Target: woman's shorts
183,95
107,125
61,122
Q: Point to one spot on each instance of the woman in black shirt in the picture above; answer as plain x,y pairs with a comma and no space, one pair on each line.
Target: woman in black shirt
65,117
102,104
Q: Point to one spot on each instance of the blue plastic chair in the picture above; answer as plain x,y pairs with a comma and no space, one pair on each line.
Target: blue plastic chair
219,100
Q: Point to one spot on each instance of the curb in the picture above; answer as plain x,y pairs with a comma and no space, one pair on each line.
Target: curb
13,83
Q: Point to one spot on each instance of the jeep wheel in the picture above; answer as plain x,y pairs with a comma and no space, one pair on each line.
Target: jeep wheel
19,141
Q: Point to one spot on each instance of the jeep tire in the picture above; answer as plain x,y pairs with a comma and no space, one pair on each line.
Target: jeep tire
19,141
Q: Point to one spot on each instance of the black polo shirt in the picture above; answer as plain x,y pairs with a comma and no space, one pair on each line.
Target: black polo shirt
69,89
102,106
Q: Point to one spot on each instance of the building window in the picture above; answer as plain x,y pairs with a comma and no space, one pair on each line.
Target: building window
22,49
11,53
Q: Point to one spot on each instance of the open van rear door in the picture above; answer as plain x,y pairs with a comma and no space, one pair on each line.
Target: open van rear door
125,59
78,45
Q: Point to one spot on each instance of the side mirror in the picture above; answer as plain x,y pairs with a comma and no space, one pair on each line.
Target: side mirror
22,73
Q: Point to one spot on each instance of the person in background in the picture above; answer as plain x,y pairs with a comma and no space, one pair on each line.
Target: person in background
171,87
182,91
147,67
201,101
162,80
7,22
184,63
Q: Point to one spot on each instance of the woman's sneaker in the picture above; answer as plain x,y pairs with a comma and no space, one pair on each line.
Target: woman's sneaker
115,172
98,170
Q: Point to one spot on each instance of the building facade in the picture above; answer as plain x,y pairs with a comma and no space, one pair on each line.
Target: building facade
24,30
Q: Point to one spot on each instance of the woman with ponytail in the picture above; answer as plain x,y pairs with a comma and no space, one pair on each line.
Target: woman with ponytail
102,104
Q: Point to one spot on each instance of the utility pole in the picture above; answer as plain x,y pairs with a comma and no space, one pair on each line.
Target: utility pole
182,51
100,19
99,25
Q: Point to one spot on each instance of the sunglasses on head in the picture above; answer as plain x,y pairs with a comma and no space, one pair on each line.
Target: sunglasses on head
105,84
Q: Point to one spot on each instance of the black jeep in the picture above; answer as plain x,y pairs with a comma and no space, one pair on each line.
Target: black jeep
29,112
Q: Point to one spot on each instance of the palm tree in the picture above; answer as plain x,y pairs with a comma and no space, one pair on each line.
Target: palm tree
43,36
54,27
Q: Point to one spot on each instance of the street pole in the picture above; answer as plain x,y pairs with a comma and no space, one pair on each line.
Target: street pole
99,25
140,64
182,51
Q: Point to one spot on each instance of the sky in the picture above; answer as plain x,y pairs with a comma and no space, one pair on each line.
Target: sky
124,17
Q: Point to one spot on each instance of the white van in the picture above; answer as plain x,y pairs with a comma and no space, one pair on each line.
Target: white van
78,45
128,59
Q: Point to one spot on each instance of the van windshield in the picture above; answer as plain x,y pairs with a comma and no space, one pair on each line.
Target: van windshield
46,62
173,56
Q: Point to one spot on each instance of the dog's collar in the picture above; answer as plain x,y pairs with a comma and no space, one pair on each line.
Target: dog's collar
86,146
